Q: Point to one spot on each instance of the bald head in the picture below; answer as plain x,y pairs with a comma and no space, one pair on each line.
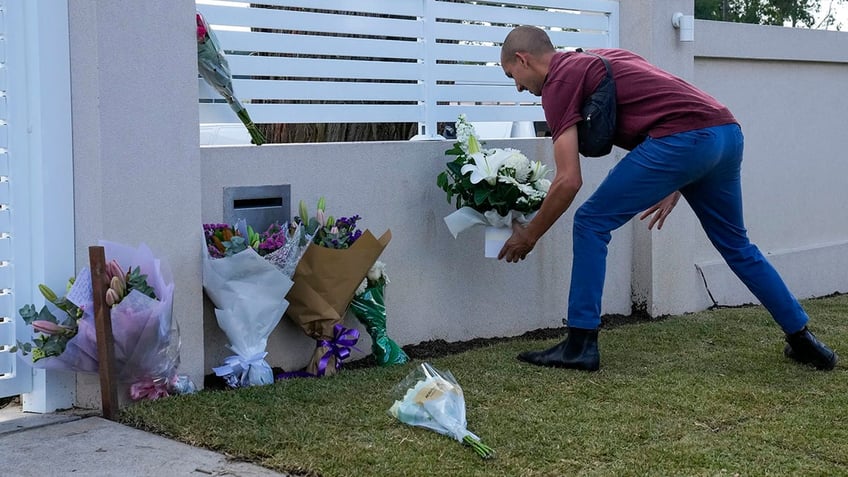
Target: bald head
526,39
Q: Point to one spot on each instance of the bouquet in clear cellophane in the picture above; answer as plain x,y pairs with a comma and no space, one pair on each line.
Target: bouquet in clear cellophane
433,399
140,295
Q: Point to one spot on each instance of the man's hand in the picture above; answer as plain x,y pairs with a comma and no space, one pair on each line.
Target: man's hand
518,246
661,210
564,187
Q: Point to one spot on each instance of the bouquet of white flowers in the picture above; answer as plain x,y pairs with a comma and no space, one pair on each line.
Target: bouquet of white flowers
493,187
432,399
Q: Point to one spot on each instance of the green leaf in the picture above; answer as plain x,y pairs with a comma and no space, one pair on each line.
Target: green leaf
69,308
28,313
480,196
46,315
442,180
231,247
138,281
455,169
312,225
456,150
53,347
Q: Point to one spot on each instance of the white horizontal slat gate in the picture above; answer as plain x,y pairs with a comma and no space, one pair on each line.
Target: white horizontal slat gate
424,61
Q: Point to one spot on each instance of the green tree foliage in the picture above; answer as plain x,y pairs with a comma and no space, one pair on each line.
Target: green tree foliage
795,13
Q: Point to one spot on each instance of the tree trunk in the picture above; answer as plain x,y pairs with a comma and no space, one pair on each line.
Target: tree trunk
338,132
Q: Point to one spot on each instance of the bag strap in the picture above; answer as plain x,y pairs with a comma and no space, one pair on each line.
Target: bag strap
606,62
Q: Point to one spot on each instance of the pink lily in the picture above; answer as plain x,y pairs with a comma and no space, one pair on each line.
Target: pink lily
50,328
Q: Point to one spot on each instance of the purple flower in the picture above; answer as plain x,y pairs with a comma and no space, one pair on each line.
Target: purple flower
272,239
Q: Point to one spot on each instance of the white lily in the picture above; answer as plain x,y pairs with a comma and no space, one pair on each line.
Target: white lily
486,167
538,171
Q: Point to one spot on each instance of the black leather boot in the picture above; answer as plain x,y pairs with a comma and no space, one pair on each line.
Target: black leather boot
803,347
579,350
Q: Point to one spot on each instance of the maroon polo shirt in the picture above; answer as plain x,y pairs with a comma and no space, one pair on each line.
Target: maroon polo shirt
650,101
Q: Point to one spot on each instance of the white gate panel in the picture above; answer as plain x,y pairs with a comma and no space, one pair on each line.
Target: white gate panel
36,185
15,376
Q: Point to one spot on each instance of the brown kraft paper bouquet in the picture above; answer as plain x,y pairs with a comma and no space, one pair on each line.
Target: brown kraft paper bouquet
325,280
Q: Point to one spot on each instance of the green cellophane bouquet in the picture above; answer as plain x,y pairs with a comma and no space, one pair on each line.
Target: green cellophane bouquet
369,307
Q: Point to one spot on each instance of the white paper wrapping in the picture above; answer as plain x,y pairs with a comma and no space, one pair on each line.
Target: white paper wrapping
249,296
498,227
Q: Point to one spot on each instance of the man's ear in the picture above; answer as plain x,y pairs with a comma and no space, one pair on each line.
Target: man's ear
522,58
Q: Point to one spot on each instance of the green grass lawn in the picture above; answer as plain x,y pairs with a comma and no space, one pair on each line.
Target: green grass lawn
702,394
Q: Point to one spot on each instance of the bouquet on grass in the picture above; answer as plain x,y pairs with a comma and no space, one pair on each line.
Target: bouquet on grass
325,280
215,69
432,399
493,187
369,307
247,275
147,343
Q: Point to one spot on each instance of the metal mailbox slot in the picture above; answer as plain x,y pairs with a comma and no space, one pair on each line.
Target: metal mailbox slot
260,206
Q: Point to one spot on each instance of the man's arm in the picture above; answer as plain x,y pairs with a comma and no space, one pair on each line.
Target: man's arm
567,181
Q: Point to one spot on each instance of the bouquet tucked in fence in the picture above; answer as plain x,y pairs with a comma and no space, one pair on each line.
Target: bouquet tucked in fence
432,399
54,330
247,275
369,307
214,68
325,280
146,337
491,187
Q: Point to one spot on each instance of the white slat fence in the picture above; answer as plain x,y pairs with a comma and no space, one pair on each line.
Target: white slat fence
420,61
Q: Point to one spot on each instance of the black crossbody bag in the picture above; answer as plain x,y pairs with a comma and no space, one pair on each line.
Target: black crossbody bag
595,132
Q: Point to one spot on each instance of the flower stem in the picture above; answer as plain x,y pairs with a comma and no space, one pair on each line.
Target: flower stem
256,136
481,449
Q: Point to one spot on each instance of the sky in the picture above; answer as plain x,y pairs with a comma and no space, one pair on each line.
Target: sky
840,11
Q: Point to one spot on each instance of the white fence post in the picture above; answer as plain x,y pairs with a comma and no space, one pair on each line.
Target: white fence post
429,123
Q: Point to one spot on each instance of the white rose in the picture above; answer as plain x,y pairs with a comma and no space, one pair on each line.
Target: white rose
376,271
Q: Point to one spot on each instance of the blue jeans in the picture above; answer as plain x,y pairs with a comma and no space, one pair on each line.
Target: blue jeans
704,165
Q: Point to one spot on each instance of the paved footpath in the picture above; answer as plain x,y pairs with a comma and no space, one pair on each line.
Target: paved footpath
60,444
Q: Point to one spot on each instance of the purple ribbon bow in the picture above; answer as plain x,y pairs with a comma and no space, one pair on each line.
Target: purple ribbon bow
339,346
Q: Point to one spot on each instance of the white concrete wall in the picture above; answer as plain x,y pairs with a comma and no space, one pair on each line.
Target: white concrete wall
136,155
441,287
786,87
646,29
788,92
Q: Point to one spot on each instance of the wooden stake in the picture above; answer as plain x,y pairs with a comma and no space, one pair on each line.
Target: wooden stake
103,327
